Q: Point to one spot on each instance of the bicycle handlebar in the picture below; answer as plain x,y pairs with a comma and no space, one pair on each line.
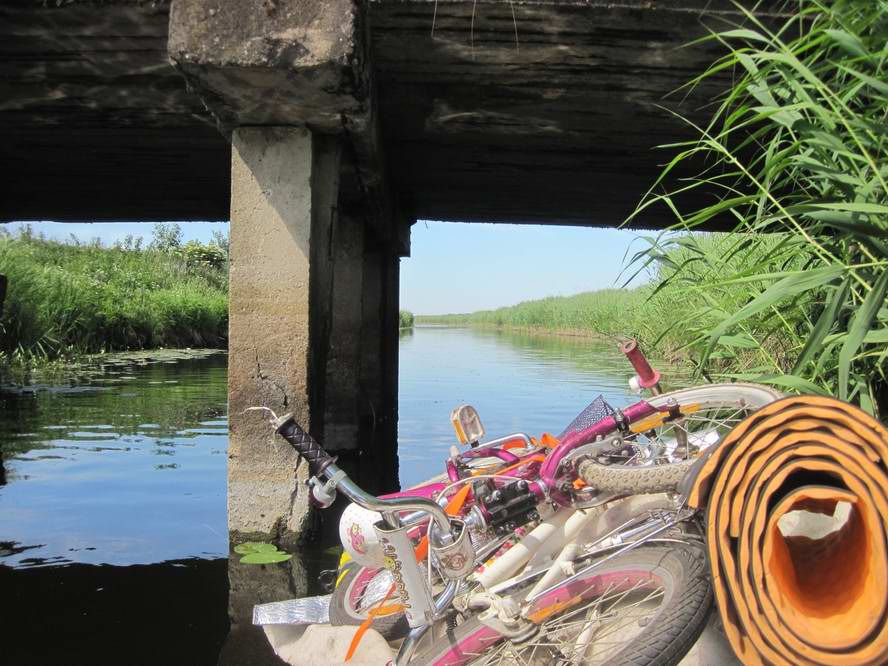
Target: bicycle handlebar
321,462
647,376
318,460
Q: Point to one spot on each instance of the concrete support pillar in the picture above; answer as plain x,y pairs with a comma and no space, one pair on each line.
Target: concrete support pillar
313,330
283,206
379,364
344,394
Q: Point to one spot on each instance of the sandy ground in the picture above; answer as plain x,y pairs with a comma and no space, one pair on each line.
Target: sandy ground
712,649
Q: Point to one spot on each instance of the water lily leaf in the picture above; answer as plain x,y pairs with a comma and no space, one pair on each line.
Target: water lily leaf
265,557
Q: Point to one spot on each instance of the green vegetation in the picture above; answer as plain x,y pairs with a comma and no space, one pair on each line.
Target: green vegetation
405,319
655,315
255,552
605,312
796,154
64,299
798,147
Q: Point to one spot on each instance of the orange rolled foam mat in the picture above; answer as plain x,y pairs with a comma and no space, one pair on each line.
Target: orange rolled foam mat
796,510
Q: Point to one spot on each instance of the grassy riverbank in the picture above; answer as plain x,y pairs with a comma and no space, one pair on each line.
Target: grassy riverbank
64,299
605,312
658,312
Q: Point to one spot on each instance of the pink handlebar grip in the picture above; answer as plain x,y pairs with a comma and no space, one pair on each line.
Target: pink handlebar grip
647,376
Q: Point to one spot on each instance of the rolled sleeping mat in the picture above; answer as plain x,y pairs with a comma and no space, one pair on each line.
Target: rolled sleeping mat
820,595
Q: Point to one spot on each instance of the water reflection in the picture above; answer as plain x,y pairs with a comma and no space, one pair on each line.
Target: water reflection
518,382
169,613
113,542
124,464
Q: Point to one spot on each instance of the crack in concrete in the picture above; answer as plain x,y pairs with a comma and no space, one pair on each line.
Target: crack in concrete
265,378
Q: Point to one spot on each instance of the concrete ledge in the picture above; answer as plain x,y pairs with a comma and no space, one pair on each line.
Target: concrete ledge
277,62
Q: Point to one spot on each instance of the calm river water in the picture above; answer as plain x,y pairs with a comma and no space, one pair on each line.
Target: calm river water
113,543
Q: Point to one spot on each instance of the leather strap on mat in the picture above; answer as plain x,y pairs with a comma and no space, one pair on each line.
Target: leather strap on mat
792,586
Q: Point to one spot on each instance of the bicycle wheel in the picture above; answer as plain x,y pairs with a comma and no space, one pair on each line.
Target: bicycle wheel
645,608
360,589
660,449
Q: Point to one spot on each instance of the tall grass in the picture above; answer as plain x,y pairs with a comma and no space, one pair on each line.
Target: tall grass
64,299
608,312
797,147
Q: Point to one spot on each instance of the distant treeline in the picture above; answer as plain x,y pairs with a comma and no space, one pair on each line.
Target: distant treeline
74,297
405,319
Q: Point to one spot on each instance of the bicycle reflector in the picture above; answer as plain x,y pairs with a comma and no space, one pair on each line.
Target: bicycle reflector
467,424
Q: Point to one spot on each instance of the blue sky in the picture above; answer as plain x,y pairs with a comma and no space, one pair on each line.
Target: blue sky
456,267
467,267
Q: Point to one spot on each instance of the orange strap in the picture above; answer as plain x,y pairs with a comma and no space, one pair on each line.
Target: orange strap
365,625
549,441
454,506
536,458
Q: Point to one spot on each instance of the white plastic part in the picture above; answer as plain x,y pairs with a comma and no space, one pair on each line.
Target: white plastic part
457,559
358,536
569,552
410,583
635,385
548,536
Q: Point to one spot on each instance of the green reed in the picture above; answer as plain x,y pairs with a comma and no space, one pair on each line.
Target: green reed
795,157
64,299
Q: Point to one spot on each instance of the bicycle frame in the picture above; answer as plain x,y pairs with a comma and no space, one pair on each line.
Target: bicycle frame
555,536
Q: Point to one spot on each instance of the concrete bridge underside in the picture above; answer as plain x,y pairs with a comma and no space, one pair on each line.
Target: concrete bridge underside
323,130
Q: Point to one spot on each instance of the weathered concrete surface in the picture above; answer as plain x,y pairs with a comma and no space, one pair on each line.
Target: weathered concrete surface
280,62
454,123
344,394
94,122
249,585
272,215
313,329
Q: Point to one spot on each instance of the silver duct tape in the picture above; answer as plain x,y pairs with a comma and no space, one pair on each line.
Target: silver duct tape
310,610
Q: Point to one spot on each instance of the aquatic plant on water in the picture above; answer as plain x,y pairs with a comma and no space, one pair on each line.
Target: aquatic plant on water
254,552
798,147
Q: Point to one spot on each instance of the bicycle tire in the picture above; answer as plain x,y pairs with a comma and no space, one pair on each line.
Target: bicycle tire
342,602
643,479
663,641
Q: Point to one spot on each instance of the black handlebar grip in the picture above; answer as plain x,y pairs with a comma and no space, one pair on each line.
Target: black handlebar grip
318,460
